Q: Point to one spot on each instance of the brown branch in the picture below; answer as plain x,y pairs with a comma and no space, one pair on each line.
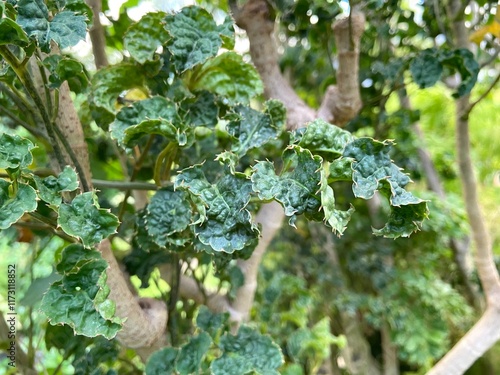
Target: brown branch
486,332
255,18
343,101
97,36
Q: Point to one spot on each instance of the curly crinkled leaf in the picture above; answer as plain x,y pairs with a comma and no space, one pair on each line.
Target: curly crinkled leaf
229,76
337,219
13,208
15,151
107,84
79,298
324,139
230,159
162,362
144,37
254,129
228,225
50,188
404,220
12,33
247,351
195,37
156,115
296,189
191,354
373,170
168,212
201,110
372,165
66,28
83,219
341,169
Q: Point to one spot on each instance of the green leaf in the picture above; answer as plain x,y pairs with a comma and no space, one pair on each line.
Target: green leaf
226,32
83,219
13,208
195,37
107,84
168,212
324,139
312,344
426,68
12,33
404,220
226,223
50,188
201,110
66,28
373,170
253,129
156,115
229,76
191,355
296,189
63,68
79,298
372,165
247,351
144,37
210,322
461,60
337,219
15,152
162,362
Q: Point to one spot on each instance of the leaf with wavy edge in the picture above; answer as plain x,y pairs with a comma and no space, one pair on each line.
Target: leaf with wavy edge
253,129
13,208
296,187
79,298
226,224
83,219
195,37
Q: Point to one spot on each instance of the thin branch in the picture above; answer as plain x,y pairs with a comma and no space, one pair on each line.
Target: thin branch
25,125
28,84
484,94
124,185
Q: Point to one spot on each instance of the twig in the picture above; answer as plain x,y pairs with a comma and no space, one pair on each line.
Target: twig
484,94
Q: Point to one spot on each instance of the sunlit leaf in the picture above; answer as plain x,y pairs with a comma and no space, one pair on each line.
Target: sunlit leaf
229,76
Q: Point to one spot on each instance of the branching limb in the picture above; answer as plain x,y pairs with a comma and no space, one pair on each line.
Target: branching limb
343,101
254,17
97,35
